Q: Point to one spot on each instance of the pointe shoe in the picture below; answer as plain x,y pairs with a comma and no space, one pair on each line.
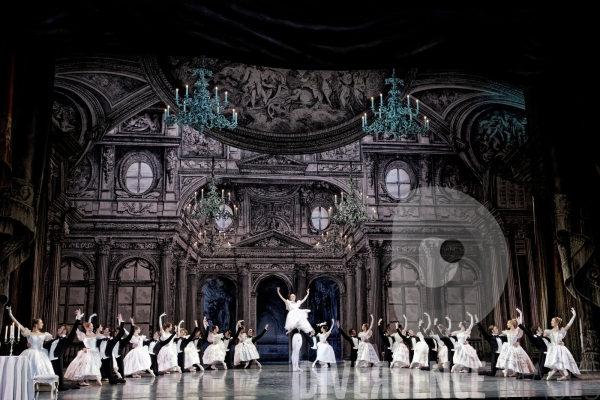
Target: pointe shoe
201,367
246,366
118,375
224,366
259,366
99,382
84,383
550,375
179,369
152,373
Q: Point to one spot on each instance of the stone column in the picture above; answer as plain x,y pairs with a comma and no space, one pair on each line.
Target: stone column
192,298
350,320
361,293
101,292
301,282
56,234
375,254
166,253
180,287
243,292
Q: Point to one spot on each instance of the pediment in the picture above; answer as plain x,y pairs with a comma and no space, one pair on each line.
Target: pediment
271,164
273,239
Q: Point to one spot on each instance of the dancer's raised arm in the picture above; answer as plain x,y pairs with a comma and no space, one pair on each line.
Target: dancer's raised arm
19,326
371,325
471,316
91,316
449,324
405,323
280,296
305,297
520,319
179,327
428,321
160,324
571,320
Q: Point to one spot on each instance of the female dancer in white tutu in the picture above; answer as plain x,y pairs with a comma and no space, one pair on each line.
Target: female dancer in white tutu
465,356
215,353
138,359
559,358
400,354
442,353
38,356
245,350
420,350
325,353
366,352
512,356
191,358
87,363
167,356
296,318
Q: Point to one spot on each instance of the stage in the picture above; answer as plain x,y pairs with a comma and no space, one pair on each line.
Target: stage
341,382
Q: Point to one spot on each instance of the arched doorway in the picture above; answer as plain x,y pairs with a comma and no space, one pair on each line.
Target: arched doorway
274,345
324,305
220,303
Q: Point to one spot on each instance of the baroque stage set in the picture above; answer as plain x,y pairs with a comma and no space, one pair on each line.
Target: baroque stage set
284,228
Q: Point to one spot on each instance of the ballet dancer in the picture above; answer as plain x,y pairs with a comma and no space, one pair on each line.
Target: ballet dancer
410,339
296,347
153,348
37,355
354,341
512,356
215,352
230,342
296,318
432,344
325,353
88,361
442,350
400,354
495,339
445,335
57,348
367,356
540,343
187,353
107,355
167,356
138,359
118,352
420,350
386,340
247,348
465,356
559,358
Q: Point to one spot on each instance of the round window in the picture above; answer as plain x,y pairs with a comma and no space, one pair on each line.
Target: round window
397,183
139,177
320,218
224,223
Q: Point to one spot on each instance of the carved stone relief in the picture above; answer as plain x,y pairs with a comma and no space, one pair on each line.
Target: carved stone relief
349,152
144,122
193,144
440,99
65,116
496,131
83,180
114,87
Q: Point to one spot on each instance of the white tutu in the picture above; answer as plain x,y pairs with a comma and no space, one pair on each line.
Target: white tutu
442,355
191,356
38,356
464,354
137,359
420,354
167,356
366,352
214,352
514,359
87,364
245,350
558,356
325,353
400,354
297,318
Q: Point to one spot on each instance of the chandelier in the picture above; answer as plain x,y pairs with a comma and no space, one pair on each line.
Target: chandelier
213,207
212,241
200,111
335,244
350,210
401,120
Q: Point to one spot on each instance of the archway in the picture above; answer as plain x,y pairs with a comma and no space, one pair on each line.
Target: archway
220,303
274,345
324,305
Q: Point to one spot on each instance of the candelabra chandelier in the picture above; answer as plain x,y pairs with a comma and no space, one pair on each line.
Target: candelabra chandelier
350,210
212,207
211,240
333,242
396,118
200,111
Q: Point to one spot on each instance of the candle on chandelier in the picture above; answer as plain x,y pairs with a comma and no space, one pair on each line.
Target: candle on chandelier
381,99
6,333
222,193
417,106
165,115
12,331
217,92
408,100
372,103
176,94
202,194
168,110
18,334
226,96
186,90
335,199
229,196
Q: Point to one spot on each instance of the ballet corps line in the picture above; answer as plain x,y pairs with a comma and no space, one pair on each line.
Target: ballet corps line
178,351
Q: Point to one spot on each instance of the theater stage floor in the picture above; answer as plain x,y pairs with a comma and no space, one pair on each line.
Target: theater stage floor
343,382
